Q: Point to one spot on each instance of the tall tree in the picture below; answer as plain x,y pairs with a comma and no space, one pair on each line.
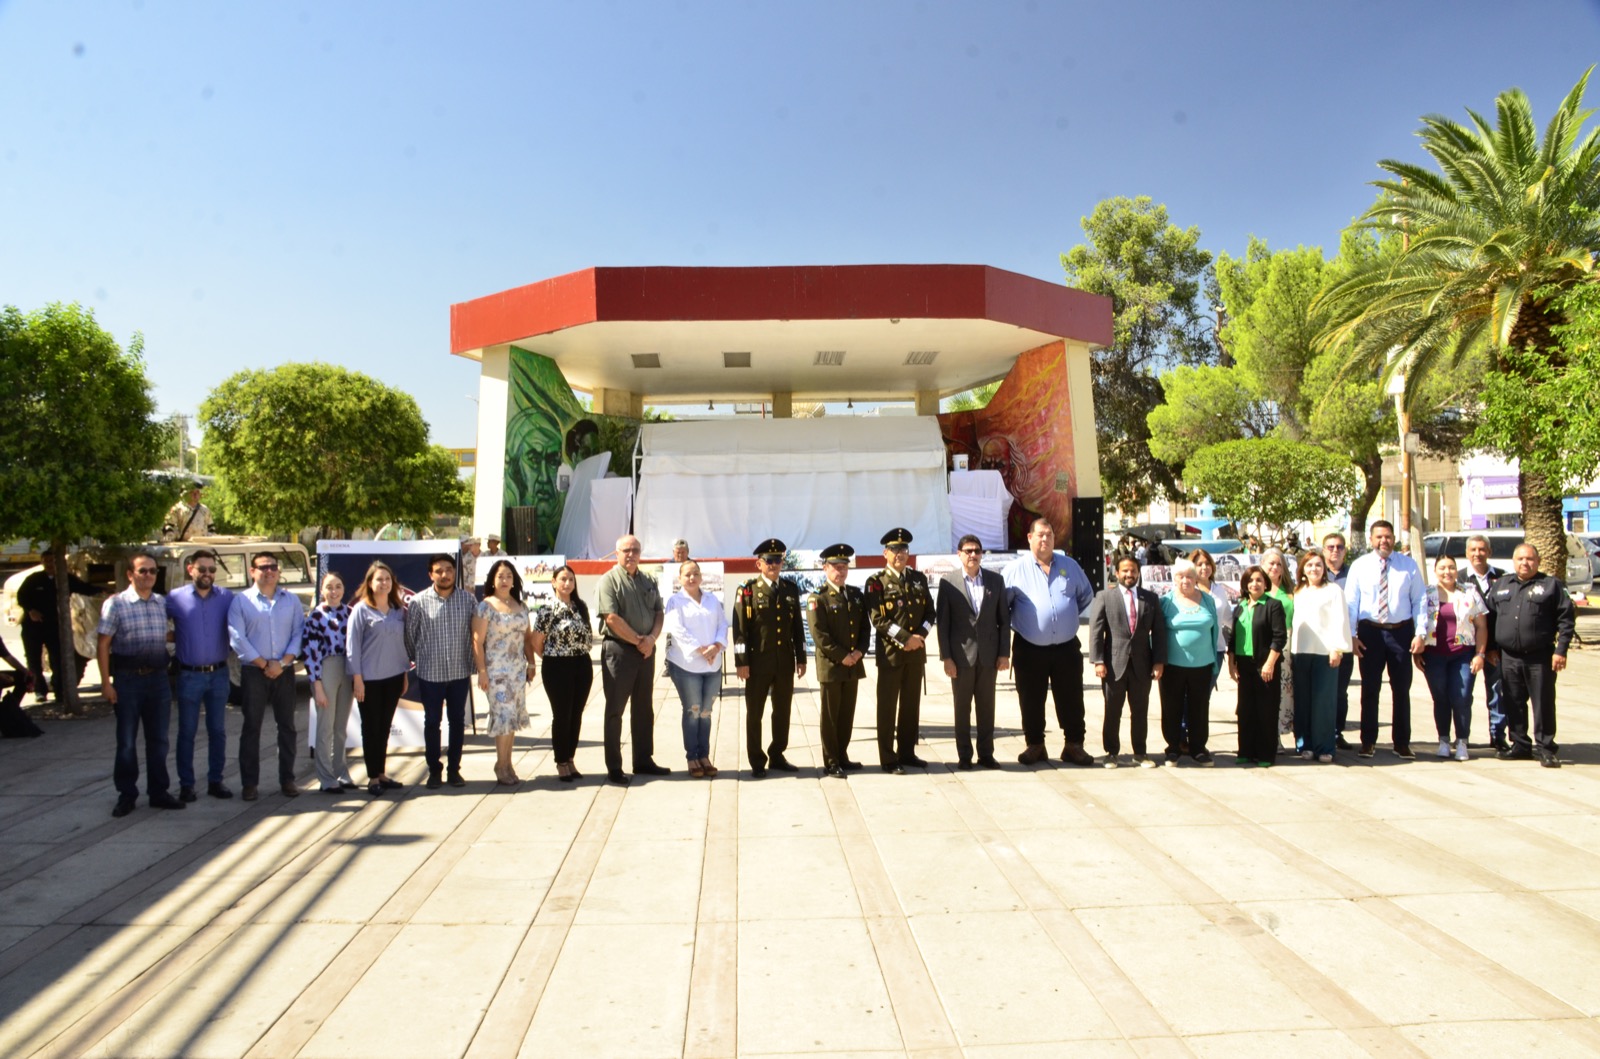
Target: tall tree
317,445
78,429
1273,483
1154,273
1508,223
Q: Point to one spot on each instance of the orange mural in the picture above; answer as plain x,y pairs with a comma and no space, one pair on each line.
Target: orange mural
1025,433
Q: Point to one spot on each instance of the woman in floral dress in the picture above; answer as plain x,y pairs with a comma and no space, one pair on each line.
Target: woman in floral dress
500,644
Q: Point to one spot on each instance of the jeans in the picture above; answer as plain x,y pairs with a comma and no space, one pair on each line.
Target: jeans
194,691
447,698
1450,679
1493,699
141,700
698,691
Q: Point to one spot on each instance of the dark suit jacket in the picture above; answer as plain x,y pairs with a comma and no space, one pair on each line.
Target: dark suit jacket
1112,643
973,639
1270,632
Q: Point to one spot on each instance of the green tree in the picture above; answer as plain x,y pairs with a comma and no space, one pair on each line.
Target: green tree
1272,482
1508,223
78,429
317,445
1154,273
973,399
1205,405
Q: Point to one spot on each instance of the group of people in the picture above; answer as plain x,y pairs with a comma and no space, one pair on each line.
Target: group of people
1292,647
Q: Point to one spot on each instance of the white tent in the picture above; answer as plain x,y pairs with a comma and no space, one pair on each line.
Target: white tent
727,485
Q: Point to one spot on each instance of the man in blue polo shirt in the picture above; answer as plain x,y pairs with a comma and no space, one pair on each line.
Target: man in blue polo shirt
199,613
1047,593
133,679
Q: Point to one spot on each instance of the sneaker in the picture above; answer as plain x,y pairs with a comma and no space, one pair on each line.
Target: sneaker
1306,755
1444,748
1366,750
1404,752
1326,759
1461,750
1110,762
1145,761
1204,758
1243,762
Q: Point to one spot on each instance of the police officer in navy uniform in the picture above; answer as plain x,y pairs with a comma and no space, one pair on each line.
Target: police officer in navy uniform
900,608
769,649
838,616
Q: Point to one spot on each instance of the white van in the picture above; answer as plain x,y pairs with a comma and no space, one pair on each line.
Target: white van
1502,544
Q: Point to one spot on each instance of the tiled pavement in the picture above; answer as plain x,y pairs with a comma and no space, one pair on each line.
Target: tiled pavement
1372,907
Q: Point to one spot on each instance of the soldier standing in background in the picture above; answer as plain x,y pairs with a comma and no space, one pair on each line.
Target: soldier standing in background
839,628
769,649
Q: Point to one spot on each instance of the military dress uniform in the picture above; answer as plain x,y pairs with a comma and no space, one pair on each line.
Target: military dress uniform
838,618
899,607
768,637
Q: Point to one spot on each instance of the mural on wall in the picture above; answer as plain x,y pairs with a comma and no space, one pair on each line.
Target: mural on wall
1025,433
547,434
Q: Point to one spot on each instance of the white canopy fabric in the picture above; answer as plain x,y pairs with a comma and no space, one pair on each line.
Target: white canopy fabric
726,485
979,505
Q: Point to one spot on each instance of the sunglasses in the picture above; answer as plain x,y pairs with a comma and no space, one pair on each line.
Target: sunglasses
265,569
205,569
971,551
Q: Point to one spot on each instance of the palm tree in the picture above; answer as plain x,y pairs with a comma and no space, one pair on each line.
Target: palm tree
1490,241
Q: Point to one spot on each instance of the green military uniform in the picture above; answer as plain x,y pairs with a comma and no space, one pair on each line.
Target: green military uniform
899,607
768,637
838,618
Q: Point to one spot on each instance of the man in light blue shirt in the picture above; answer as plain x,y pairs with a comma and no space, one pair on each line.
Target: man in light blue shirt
1385,591
1047,594
264,626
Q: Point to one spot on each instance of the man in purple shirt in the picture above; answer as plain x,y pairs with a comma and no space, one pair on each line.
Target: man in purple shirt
199,613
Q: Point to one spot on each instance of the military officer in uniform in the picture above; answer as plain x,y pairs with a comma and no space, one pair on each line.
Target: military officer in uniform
900,608
838,617
769,650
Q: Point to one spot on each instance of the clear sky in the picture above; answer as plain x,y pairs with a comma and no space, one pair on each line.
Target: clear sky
250,184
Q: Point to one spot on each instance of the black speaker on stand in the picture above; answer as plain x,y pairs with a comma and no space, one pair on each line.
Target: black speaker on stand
1088,538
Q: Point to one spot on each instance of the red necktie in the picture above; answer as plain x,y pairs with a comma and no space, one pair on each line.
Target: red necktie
1133,615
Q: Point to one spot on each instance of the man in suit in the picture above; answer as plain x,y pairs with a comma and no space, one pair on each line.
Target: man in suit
769,651
1128,646
974,623
901,610
838,617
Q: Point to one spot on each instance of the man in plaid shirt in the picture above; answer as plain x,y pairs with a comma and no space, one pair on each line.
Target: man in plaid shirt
133,678
439,640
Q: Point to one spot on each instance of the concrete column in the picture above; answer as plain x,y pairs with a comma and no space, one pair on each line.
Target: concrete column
782,405
617,403
927,402
1080,394
494,398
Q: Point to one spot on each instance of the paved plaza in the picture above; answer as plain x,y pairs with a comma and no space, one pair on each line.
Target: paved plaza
1365,908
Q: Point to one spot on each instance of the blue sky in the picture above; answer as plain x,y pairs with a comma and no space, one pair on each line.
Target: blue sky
250,184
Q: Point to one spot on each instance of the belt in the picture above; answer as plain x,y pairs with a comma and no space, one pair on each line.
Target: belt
136,667
201,669
1385,625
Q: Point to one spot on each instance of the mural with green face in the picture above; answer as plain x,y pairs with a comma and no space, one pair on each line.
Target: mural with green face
546,429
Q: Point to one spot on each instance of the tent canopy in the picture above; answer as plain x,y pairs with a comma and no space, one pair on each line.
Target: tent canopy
725,486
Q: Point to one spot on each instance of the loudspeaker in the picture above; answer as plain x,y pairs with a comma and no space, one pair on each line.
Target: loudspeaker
1088,538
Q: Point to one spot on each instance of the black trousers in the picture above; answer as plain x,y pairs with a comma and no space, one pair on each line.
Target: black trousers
626,680
771,674
900,707
1528,685
838,717
1386,649
1186,707
1258,709
1341,702
974,685
1133,689
567,683
1053,669
259,693
377,717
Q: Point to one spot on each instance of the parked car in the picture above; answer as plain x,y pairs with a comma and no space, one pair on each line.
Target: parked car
1577,573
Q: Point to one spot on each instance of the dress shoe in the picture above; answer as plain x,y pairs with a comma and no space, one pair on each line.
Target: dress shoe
186,794
835,771
249,794
650,768
620,778
217,790
757,771
1547,759
894,770
988,763
165,801
455,779
568,777
782,764
710,769
1032,756
123,807
289,790
1204,758
852,766
964,766
1367,750
914,761
1513,753
375,788
348,785
335,791
391,785
696,771
1404,752
1073,754
1341,743
435,780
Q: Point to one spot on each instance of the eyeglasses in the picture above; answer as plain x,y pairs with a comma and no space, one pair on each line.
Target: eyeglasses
971,551
1333,547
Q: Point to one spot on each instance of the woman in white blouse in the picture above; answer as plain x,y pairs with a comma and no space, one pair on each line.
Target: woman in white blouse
698,630
1319,638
